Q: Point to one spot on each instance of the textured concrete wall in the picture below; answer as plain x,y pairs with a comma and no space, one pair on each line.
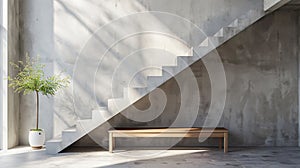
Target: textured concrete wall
262,81
57,30
13,56
9,43
36,39
298,81
261,66
294,5
2,40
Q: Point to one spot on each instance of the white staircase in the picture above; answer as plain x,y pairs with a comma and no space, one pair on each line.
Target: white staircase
133,94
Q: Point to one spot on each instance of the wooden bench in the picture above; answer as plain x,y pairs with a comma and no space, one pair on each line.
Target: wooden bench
221,133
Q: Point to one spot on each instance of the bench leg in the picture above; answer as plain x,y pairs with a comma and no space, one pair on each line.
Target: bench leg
220,143
111,142
225,142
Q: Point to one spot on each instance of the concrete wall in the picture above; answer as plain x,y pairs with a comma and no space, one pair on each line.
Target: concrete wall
2,40
265,76
298,81
9,47
58,30
13,56
261,66
36,40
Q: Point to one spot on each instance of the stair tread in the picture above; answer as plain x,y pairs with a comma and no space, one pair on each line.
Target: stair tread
56,139
84,120
71,129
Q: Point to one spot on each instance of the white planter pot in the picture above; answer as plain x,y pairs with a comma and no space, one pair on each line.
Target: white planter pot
36,139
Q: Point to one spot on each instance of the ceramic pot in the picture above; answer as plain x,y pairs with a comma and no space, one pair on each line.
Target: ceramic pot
36,138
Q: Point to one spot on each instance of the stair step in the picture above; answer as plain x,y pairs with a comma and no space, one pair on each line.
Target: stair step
85,125
235,23
171,70
204,43
155,81
201,51
135,93
69,134
190,52
186,61
211,42
83,122
53,146
229,32
216,41
101,115
220,33
58,140
70,130
117,104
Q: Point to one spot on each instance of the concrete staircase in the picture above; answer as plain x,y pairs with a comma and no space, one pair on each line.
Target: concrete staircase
133,94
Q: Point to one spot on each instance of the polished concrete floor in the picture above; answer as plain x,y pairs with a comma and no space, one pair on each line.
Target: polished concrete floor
153,158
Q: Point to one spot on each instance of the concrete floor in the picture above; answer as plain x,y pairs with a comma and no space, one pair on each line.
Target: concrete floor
279,157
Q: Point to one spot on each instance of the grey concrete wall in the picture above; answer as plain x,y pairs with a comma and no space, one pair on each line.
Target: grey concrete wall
266,105
2,40
13,56
57,31
261,66
9,43
36,40
298,82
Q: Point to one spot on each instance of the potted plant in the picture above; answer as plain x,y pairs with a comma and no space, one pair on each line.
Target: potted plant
31,78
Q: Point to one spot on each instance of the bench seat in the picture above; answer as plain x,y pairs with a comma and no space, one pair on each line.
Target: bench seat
221,133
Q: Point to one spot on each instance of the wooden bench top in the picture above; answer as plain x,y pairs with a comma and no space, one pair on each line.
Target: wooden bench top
219,132
166,129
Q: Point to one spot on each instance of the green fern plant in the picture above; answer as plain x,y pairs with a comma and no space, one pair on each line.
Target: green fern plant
31,78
